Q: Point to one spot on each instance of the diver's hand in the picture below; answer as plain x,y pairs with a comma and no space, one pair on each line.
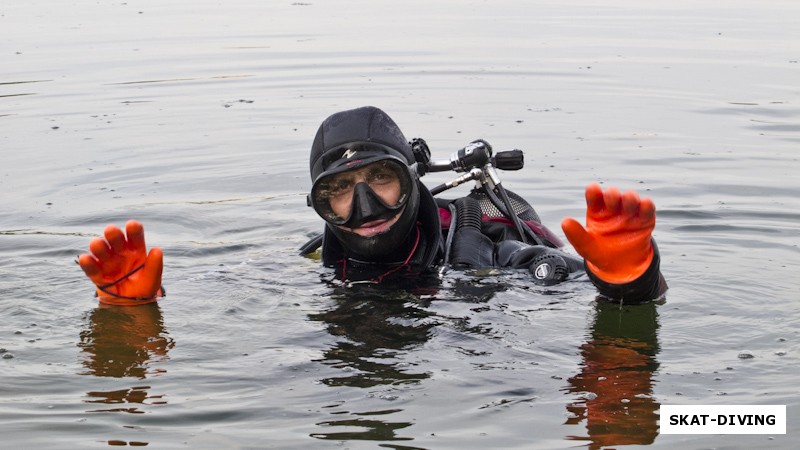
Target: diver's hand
616,242
120,267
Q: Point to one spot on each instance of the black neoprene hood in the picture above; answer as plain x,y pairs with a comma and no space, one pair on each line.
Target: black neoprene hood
367,129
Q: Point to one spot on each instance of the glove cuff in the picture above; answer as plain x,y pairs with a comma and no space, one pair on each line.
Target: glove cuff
108,298
648,286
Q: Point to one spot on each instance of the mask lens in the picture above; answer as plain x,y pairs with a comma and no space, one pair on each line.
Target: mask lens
332,195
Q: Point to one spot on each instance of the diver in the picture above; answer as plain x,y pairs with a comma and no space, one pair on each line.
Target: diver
382,223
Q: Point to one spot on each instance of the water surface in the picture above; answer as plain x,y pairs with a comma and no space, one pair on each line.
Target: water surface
197,120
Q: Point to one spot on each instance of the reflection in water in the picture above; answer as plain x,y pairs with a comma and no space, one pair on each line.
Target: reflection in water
136,395
616,381
374,430
376,325
121,342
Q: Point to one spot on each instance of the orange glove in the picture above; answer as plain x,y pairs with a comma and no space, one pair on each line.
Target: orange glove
120,268
616,242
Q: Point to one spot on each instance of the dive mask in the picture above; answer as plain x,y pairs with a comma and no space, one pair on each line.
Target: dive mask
366,190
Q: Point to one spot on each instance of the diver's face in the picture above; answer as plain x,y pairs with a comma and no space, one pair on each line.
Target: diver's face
381,179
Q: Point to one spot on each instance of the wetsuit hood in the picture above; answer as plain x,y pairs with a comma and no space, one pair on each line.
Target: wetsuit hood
354,138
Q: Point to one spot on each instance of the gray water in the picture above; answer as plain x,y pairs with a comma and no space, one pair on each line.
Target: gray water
196,119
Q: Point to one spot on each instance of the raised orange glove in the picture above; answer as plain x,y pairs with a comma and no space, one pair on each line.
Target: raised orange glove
616,243
120,267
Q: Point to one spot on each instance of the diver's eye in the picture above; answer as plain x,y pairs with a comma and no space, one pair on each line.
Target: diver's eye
381,175
336,187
